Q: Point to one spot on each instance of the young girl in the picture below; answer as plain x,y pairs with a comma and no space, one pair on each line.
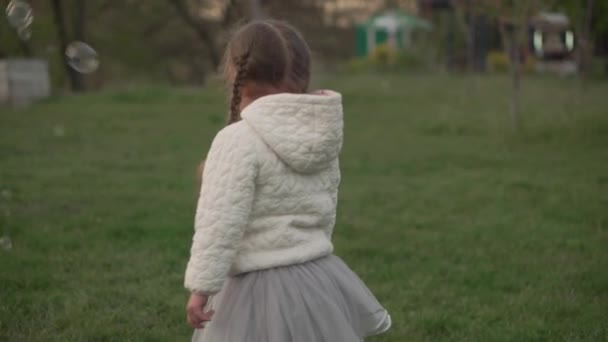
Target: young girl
261,266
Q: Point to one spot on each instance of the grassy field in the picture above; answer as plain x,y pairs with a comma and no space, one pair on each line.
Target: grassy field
465,229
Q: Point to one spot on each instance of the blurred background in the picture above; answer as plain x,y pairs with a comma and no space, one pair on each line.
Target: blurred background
181,42
474,197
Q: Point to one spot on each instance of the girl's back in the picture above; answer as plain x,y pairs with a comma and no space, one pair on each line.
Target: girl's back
294,207
262,250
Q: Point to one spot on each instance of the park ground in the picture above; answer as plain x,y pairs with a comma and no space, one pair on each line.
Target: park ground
466,229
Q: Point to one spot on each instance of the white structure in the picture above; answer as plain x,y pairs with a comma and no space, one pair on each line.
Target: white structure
23,81
393,28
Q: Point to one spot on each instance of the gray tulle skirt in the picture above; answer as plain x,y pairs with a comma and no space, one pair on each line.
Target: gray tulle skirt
319,301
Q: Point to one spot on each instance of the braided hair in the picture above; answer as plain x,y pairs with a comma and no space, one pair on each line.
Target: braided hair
239,80
266,53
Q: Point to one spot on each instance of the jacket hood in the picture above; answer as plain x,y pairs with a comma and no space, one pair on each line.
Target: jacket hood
304,130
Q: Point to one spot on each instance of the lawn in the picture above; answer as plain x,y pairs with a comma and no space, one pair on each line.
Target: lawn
465,229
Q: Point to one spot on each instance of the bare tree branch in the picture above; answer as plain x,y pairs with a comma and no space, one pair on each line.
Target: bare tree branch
200,28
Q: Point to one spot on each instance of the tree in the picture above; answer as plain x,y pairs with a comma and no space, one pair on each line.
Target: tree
587,51
512,17
80,20
77,83
590,20
462,9
582,14
25,47
201,28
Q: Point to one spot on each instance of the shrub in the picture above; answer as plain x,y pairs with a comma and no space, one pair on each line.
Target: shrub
498,61
383,57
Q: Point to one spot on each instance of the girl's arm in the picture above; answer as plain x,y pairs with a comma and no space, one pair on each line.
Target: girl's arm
223,208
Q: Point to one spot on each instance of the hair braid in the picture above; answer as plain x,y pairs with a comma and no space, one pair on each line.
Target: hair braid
239,80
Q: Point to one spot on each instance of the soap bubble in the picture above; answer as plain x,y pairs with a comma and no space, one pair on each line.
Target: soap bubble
6,194
24,33
6,243
19,14
58,131
81,57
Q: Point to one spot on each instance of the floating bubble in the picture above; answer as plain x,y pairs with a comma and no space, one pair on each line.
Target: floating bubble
81,57
24,33
19,14
6,194
58,131
6,243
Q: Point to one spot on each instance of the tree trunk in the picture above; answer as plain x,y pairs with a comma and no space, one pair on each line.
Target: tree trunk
80,21
512,49
25,47
516,95
72,74
80,34
449,37
467,24
586,46
471,49
201,30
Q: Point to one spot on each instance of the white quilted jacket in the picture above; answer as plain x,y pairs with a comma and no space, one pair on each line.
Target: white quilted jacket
270,188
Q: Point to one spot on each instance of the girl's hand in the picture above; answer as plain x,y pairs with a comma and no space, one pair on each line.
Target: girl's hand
195,310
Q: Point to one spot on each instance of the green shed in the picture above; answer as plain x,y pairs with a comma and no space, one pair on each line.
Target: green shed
394,28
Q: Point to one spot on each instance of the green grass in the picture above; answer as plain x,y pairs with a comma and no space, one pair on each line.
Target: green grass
463,228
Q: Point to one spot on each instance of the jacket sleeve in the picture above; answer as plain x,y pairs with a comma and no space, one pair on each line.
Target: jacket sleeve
223,210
